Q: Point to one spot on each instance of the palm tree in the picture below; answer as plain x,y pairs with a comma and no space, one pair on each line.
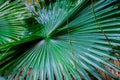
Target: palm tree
59,39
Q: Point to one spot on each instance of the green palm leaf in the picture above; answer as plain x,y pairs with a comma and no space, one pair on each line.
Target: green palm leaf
75,39
11,24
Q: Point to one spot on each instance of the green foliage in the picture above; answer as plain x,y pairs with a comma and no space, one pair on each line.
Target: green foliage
11,28
62,40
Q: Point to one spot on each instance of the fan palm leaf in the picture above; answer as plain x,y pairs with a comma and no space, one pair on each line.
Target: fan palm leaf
75,39
10,27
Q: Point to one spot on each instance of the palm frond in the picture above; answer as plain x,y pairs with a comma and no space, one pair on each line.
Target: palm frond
13,29
76,39
11,22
